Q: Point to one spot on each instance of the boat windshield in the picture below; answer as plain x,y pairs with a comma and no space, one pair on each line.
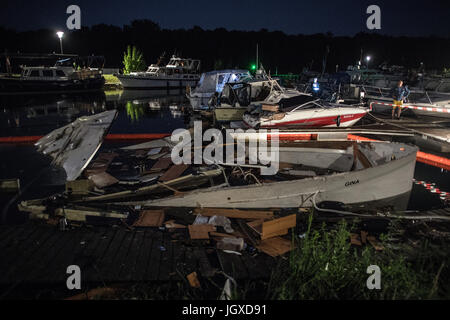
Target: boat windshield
304,102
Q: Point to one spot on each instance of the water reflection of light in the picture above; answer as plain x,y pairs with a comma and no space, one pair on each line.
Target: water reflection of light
176,114
153,105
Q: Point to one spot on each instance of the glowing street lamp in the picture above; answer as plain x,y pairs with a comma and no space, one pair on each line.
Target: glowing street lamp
368,60
60,35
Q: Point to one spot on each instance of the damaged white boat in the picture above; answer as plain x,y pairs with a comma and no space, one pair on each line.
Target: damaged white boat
74,145
312,172
212,83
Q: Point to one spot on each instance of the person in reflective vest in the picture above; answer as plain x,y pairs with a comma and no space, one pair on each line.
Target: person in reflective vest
399,95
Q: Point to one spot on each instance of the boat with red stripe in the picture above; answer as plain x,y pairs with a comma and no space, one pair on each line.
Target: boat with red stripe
312,114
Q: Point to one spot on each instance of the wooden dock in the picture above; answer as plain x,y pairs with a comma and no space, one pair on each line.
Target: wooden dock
39,254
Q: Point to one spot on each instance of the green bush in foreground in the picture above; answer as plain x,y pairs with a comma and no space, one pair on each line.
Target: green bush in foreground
325,266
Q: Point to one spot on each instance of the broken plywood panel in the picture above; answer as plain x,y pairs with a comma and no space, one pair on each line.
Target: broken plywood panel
364,236
81,214
81,186
100,164
374,242
355,239
150,218
174,172
235,213
275,246
161,164
273,228
257,227
200,231
9,185
193,280
103,179
172,225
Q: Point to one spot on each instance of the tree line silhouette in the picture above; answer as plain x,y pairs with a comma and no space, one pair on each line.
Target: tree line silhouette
221,48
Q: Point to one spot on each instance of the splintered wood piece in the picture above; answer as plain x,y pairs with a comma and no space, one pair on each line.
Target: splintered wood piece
354,239
278,226
161,164
222,235
374,242
275,246
200,231
235,213
193,280
95,294
364,236
172,225
174,172
80,186
101,163
103,179
150,218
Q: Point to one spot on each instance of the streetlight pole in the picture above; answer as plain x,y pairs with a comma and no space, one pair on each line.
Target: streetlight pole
60,35
368,60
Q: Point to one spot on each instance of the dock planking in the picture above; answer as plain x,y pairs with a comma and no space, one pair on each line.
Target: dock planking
37,253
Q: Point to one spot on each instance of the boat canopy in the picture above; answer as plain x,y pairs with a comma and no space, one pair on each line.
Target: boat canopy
214,81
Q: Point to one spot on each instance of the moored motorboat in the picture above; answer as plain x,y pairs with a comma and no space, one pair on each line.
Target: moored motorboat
36,80
312,112
178,73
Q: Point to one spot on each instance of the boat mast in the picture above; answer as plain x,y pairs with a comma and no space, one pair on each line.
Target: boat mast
257,64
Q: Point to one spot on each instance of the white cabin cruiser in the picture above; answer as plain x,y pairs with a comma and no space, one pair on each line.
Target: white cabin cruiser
178,73
312,112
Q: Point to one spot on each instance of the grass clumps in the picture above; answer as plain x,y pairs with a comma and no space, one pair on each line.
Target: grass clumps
326,266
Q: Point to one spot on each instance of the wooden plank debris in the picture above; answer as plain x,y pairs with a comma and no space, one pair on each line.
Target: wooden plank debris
9,185
275,246
81,214
161,164
200,231
100,164
193,280
150,218
355,239
273,228
97,293
222,235
364,236
103,179
79,187
172,225
235,213
374,242
174,172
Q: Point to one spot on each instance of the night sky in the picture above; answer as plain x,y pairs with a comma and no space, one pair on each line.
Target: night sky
344,17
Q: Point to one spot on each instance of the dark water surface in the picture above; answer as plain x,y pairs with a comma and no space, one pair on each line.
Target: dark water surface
139,112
